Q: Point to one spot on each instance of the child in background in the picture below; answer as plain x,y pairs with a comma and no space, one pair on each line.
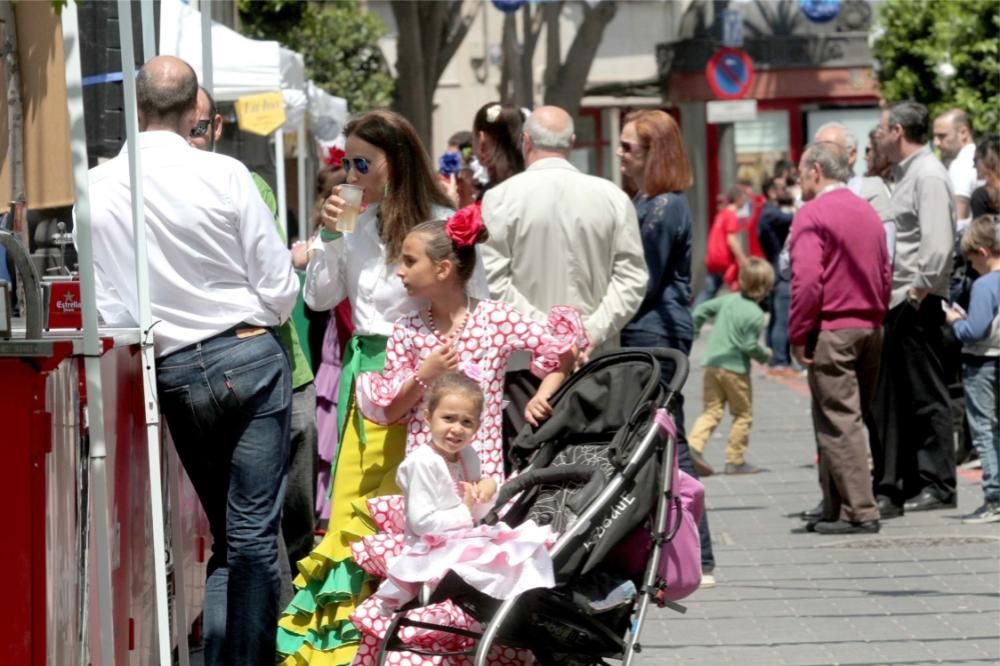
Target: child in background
444,494
733,342
979,332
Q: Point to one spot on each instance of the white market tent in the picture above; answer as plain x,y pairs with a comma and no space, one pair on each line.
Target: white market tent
241,66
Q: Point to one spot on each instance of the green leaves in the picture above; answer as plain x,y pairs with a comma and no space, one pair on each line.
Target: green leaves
922,38
338,43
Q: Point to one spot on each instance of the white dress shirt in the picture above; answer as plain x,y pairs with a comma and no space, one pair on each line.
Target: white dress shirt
962,172
214,255
561,237
354,266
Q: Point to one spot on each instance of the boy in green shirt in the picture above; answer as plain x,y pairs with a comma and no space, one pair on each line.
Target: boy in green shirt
734,340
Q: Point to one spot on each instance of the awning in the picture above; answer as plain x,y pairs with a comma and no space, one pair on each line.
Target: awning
48,177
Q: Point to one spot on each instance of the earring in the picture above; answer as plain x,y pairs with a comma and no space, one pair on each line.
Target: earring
385,190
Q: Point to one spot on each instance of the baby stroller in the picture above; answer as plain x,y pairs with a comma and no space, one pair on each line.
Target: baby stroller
597,471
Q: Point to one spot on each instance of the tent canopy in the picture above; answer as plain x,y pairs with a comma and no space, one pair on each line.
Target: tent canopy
241,66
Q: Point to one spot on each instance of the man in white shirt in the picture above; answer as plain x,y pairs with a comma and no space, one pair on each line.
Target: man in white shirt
954,139
561,237
220,281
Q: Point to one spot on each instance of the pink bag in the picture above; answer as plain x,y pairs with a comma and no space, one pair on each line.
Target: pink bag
680,560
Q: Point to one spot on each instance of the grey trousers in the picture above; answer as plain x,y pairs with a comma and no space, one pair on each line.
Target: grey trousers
842,380
298,517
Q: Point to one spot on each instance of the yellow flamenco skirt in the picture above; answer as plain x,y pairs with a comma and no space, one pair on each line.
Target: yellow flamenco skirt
316,628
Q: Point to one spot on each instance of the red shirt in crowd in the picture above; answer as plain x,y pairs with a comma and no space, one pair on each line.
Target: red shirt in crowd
718,256
841,277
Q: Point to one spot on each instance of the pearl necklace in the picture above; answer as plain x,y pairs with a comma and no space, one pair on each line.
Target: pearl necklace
457,330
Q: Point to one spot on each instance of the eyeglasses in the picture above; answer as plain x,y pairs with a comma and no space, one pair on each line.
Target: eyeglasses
201,128
628,146
360,163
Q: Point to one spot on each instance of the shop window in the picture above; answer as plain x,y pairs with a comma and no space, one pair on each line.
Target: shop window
759,144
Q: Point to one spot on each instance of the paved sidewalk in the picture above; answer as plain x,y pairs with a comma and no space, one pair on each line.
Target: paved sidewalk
925,590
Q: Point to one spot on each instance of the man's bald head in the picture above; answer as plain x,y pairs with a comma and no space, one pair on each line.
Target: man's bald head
839,135
548,129
952,131
166,92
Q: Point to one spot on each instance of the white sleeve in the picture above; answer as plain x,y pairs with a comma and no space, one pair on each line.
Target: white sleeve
962,175
325,286
428,509
268,261
110,305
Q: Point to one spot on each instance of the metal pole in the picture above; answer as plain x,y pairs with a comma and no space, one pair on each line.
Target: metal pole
207,78
300,156
145,324
279,167
148,30
91,343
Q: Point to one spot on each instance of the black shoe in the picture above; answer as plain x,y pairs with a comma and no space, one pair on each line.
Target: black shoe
927,501
700,464
845,527
887,509
814,513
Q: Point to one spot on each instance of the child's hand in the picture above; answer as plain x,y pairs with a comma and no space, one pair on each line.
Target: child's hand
487,488
537,410
443,358
469,494
952,315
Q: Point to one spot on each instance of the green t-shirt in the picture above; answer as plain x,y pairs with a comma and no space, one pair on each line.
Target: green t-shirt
301,370
735,337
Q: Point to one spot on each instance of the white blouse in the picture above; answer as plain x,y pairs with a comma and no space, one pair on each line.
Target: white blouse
428,482
353,266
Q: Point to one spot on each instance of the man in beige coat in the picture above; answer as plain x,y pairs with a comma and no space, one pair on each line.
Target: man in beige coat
561,237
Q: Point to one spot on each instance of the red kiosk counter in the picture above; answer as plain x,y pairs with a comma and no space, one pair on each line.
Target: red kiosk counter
48,609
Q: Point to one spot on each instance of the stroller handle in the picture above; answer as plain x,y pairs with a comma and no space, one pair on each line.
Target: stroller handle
678,358
561,474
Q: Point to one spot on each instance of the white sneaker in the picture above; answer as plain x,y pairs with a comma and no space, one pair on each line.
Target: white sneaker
707,580
987,513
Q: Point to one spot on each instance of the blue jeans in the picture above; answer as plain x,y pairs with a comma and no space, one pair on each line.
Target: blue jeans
777,327
634,338
980,377
713,283
227,402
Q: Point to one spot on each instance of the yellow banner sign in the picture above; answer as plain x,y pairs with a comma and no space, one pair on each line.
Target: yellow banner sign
260,114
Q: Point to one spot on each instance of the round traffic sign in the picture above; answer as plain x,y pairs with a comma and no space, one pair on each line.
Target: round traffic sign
730,73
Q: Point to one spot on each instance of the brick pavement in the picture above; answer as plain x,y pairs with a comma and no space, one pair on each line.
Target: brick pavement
925,590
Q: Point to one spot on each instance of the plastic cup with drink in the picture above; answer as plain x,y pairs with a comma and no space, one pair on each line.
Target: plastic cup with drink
348,218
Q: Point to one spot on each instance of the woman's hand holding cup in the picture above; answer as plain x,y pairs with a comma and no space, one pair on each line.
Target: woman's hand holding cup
341,208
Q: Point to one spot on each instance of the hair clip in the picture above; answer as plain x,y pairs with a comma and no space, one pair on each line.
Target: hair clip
493,113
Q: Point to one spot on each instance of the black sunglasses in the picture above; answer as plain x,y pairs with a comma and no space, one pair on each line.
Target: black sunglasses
628,146
201,128
360,163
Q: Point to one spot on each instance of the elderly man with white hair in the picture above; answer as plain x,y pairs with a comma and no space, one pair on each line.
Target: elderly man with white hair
561,237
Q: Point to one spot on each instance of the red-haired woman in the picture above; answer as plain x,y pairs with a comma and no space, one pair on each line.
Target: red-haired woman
654,159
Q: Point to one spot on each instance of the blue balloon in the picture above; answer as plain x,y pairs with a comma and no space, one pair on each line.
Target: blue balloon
508,6
820,11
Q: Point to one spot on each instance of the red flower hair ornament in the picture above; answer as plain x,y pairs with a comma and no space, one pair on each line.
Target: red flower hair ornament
465,227
333,157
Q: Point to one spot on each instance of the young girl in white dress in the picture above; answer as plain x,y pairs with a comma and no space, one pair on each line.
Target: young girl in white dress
444,494
456,332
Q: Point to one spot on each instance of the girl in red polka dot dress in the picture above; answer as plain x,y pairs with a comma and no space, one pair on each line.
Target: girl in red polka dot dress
459,333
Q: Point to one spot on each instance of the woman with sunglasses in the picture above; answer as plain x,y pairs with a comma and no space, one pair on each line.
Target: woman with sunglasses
655,162
384,156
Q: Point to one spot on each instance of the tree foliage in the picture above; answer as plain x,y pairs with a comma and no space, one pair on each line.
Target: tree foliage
338,43
942,53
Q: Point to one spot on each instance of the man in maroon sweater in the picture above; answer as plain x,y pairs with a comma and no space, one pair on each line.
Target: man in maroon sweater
841,280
